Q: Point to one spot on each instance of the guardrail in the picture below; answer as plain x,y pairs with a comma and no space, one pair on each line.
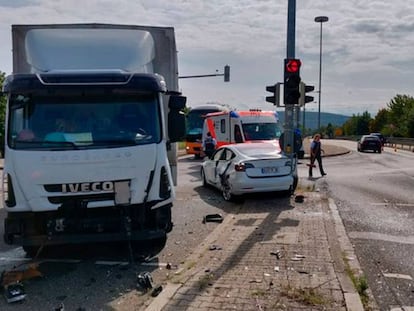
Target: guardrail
400,143
392,142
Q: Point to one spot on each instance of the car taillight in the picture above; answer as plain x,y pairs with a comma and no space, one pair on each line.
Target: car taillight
241,167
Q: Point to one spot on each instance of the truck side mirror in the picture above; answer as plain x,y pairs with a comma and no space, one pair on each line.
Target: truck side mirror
177,102
176,118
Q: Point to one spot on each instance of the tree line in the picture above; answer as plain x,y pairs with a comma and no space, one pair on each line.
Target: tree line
396,120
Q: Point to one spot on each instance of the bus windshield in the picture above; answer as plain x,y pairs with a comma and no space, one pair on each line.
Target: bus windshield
261,131
80,122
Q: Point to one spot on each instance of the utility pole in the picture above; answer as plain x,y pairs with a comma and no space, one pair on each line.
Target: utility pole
290,54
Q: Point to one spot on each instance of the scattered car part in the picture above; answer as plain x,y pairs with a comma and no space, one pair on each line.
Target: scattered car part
144,280
213,218
14,292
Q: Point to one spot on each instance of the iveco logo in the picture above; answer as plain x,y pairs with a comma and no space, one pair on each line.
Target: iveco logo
88,187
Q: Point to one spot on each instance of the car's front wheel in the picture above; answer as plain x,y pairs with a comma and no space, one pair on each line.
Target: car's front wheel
229,197
227,194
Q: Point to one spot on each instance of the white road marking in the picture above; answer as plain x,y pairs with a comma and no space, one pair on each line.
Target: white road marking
382,237
398,276
405,204
404,308
390,203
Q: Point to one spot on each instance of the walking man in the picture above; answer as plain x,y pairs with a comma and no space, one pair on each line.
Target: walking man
316,154
209,145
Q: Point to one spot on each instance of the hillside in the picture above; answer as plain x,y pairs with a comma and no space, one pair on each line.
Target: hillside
311,118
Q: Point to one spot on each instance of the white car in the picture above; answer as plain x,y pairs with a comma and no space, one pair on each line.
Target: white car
249,168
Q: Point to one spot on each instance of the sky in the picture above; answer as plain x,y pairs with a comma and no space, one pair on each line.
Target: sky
367,46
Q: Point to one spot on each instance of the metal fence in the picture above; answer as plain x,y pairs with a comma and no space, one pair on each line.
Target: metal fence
400,143
393,142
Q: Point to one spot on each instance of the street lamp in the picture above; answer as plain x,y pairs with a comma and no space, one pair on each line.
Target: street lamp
320,19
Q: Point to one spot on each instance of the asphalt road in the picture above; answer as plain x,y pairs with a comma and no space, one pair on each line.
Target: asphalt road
372,191
375,197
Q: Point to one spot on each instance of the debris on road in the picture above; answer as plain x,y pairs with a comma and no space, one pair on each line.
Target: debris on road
277,254
214,247
299,198
213,218
298,257
16,276
156,291
14,292
144,280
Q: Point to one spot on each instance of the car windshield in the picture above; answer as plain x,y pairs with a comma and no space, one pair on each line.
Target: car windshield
261,131
78,122
254,150
371,138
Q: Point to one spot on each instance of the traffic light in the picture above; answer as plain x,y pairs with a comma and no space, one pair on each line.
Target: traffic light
226,73
275,89
303,88
292,81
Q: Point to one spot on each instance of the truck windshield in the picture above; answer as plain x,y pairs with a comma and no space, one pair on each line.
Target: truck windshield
79,122
261,131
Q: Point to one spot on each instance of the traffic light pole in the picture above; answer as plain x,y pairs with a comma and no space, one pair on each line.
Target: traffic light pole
290,54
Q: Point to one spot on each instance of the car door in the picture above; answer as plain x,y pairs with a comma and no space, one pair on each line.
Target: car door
223,165
210,166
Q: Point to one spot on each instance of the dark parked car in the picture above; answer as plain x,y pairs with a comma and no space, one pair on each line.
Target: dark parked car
370,142
381,137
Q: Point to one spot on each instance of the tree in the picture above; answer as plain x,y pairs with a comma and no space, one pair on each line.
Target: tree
401,110
330,130
380,122
357,124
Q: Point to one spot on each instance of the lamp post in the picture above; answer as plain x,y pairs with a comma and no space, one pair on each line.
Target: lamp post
321,20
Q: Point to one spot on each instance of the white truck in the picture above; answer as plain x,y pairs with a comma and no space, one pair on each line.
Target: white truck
93,117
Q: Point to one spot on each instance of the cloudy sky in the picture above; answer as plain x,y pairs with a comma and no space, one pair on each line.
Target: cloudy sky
367,58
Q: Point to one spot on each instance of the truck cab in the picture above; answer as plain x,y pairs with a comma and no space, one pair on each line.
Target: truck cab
90,135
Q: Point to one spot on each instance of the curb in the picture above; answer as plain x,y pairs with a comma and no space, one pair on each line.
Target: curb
340,248
352,299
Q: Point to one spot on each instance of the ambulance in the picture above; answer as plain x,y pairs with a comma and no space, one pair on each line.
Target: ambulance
254,125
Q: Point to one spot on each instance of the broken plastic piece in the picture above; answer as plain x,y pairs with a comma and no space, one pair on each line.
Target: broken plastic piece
14,292
144,280
213,218
16,276
277,254
156,291
214,247
299,198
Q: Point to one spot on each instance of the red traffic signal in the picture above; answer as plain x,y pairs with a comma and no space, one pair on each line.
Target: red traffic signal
292,65
291,81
